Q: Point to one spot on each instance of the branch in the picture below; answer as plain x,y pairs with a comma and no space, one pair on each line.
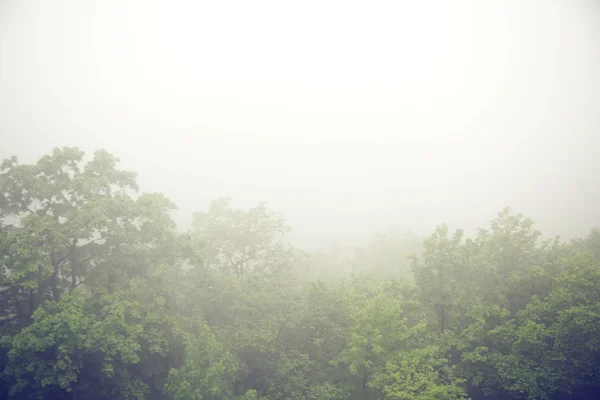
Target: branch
157,259
92,241
80,283
71,249
67,201
26,208
43,212
85,260
233,264
15,292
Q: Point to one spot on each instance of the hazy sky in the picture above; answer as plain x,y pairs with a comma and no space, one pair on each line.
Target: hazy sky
350,117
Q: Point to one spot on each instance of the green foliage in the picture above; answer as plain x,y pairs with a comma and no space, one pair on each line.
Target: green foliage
243,242
76,224
445,280
101,298
82,344
388,255
419,374
550,346
78,249
208,371
502,253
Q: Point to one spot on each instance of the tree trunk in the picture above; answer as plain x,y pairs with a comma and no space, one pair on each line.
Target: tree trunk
54,277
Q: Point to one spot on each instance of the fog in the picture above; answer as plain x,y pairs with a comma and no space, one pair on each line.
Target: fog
352,118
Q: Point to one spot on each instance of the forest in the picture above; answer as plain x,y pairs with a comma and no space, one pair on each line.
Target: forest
103,297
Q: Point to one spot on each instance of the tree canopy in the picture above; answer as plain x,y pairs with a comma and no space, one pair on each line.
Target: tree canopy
101,297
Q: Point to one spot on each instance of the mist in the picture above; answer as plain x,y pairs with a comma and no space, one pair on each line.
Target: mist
244,200
352,118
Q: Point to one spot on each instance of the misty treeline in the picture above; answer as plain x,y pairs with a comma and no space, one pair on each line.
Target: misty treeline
102,298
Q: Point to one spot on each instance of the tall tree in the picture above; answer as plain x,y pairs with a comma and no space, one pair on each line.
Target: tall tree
243,242
75,239
445,281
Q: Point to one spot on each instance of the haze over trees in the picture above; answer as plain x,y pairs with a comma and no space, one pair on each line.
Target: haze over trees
320,207
101,297
350,117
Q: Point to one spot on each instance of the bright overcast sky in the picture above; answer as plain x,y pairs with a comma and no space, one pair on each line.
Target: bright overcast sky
350,117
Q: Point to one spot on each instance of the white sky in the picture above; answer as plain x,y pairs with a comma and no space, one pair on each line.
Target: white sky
350,117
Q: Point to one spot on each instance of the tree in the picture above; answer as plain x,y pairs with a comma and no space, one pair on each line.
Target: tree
445,280
242,242
552,346
379,330
388,255
208,372
504,251
419,374
74,241
101,298
74,225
